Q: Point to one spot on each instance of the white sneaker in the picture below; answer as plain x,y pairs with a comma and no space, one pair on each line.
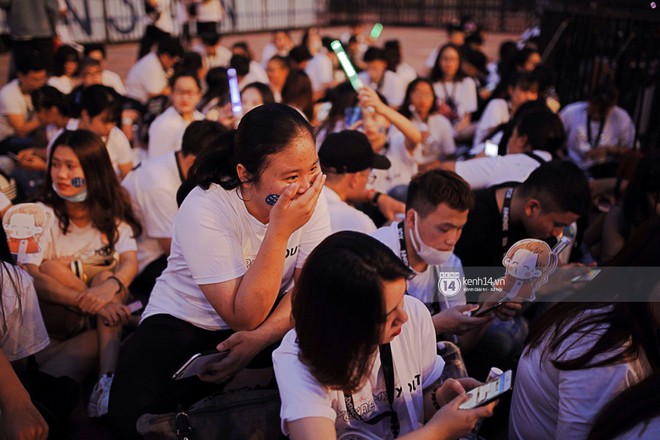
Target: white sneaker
98,400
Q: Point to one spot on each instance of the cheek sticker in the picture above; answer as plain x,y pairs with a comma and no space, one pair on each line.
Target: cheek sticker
271,199
77,182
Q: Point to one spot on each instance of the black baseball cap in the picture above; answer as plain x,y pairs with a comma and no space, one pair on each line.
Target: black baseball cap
349,151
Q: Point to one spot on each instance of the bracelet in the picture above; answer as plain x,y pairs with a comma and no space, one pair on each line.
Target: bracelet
122,288
374,199
434,399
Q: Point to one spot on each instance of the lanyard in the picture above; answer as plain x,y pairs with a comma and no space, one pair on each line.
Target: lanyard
594,144
402,244
388,372
453,91
506,210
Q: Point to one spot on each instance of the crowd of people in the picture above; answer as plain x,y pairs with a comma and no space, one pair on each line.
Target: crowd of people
308,236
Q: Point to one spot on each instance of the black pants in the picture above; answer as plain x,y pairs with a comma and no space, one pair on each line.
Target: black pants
152,35
143,381
143,284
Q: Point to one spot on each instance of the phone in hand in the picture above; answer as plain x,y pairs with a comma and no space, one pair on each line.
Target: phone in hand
351,116
491,149
485,310
586,277
198,363
486,393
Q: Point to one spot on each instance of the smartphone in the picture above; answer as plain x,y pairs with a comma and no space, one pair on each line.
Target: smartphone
346,64
483,311
234,93
351,116
197,363
135,306
491,149
586,277
488,392
375,31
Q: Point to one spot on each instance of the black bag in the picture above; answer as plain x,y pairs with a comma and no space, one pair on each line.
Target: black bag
250,414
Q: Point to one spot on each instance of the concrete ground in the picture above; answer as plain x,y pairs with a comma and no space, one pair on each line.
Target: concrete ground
417,43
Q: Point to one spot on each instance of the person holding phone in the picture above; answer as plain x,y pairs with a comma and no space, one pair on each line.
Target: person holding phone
361,361
240,238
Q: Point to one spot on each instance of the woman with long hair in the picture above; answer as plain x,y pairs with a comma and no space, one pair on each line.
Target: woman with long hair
239,240
88,254
361,361
457,93
420,106
584,351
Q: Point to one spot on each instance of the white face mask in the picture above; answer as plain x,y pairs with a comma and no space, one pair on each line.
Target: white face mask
430,255
80,197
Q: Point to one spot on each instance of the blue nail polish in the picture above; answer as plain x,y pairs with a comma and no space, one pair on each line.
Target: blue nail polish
271,199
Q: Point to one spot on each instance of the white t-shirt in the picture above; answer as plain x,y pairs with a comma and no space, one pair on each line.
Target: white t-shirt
166,132
618,130
13,102
119,148
220,59
146,77
319,70
210,10
25,332
391,87
464,94
562,404
404,163
424,285
216,239
496,113
483,172
152,187
111,79
164,21
407,73
344,217
84,243
62,83
440,140
416,367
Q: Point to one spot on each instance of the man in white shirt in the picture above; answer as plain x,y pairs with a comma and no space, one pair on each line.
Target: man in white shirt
524,87
347,159
159,24
437,209
153,186
166,131
598,131
108,78
213,53
148,77
384,81
17,117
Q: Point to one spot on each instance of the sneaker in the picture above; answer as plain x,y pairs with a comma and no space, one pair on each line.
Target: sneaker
98,400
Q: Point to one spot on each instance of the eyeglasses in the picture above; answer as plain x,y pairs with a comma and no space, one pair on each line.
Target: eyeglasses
186,93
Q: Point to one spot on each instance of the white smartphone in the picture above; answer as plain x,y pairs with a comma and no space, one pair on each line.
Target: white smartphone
198,363
491,149
488,392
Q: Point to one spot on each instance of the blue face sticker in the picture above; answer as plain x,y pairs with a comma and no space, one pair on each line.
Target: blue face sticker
77,182
271,199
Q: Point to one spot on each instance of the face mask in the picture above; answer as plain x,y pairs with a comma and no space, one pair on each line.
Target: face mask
430,256
80,197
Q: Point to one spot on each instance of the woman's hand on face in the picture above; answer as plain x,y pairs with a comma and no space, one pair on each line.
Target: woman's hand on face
293,210
243,346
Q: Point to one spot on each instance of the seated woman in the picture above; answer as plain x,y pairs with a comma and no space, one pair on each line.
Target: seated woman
361,361
582,353
239,240
93,222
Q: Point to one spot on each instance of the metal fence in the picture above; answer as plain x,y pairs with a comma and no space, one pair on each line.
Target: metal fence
586,47
115,21
494,15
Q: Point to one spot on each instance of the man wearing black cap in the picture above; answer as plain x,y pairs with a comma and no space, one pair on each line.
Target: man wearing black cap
347,160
